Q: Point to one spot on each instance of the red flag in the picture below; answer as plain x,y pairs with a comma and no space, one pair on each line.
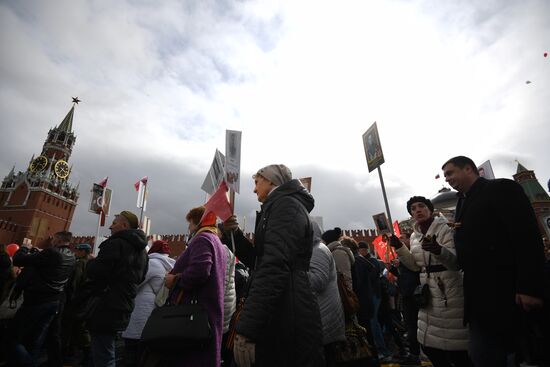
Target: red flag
103,183
144,180
218,203
383,250
396,229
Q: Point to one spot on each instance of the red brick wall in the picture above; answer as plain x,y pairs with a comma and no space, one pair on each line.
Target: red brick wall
19,195
42,216
177,242
8,232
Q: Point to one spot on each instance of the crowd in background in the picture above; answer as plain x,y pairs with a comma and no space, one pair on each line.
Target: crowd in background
468,292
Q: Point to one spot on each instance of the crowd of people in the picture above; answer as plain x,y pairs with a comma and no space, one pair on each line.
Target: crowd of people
472,291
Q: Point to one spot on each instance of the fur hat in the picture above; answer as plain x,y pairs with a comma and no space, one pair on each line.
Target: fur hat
419,199
332,235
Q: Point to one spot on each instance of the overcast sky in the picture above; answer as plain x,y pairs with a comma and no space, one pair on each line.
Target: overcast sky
160,82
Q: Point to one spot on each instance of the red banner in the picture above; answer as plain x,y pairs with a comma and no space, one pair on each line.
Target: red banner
385,252
396,229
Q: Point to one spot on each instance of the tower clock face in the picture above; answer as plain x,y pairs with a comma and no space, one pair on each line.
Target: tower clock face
39,164
61,169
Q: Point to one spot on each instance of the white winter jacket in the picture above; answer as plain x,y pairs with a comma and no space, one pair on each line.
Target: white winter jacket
230,293
440,324
159,265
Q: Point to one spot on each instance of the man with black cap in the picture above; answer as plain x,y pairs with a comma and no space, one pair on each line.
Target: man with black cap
280,324
113,277
500,250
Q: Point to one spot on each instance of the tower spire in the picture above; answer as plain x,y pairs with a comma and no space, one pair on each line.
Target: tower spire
67,124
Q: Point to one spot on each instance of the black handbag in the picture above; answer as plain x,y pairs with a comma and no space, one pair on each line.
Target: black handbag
421,294
178,326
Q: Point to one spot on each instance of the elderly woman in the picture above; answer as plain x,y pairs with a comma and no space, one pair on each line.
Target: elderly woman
199,273
323,279
159,264
280,324
342,255
441,331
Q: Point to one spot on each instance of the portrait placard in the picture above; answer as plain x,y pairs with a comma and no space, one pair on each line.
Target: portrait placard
381,223
373,148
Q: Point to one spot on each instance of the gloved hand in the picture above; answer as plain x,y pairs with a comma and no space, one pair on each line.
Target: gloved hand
395,242
430,244
230,224
244,351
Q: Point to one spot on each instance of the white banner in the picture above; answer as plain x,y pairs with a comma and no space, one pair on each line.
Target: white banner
215,174
142,196
146,226
233,159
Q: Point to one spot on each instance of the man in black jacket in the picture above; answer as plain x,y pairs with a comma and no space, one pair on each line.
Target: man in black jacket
280,324
43,281
114,275
500,250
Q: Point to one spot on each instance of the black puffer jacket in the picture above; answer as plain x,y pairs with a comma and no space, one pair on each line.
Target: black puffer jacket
46,273
120,266
281,314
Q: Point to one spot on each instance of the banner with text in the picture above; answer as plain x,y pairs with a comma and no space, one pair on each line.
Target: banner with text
215,174
233,159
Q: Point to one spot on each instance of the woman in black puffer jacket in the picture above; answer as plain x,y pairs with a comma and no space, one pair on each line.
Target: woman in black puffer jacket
280,324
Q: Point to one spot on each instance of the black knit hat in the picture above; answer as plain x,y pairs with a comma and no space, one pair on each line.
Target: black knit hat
419,199
332,235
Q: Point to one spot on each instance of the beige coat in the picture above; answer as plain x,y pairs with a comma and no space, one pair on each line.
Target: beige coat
343,257
440,325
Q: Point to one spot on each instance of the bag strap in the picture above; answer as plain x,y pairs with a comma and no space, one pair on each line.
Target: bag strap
429,264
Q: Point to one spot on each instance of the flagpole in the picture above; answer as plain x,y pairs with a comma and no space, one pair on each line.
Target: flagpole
96,244
232,205
385,199
142,204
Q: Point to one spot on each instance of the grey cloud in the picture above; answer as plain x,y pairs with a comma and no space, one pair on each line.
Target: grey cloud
155,67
